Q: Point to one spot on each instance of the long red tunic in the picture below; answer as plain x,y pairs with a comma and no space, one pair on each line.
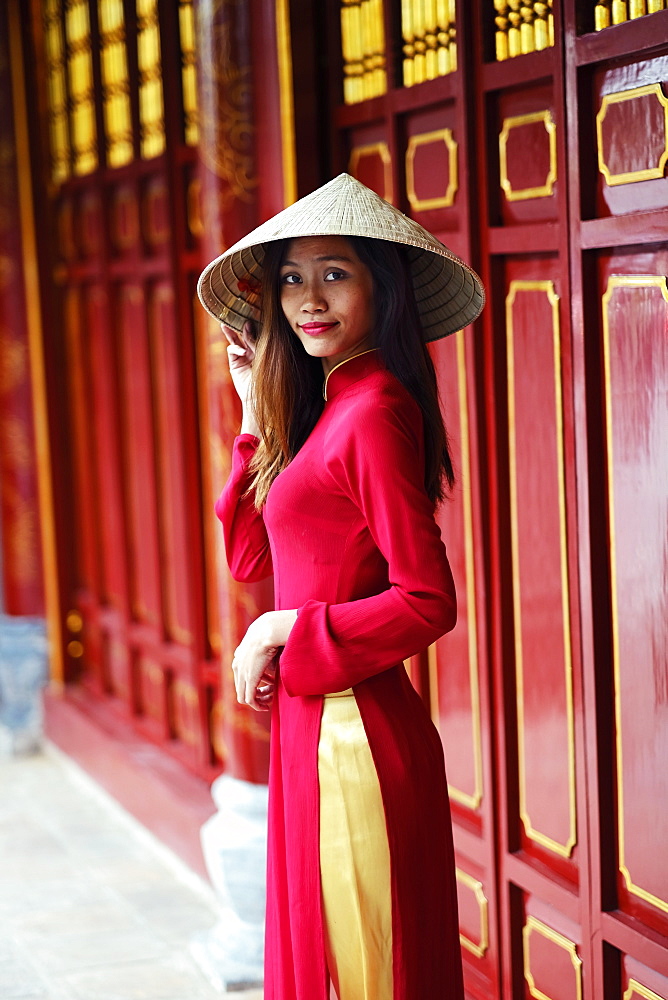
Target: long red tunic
349,533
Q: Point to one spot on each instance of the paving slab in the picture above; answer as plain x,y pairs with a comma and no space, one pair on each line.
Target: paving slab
92,906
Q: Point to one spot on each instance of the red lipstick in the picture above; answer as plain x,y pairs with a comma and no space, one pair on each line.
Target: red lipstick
315,329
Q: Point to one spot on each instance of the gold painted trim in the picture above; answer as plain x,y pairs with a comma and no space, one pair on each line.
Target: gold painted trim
478,949
382,149
547,288
468,799
338,365
36,351
425,139
286,101
532,924
631,176
621,281
637,989
544,190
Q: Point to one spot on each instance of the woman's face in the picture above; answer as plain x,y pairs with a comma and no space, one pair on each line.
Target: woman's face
327,297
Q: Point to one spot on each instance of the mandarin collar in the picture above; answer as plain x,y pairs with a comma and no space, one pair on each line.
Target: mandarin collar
350,371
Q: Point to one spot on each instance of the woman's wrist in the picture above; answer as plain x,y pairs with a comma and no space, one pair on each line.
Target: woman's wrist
280,625
249,424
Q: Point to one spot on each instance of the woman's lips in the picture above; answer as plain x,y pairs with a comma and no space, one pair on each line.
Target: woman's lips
316,329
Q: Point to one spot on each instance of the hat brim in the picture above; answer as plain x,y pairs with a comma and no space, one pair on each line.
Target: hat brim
448,293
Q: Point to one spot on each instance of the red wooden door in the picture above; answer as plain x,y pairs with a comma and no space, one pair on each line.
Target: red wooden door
616,80
535,146
120,104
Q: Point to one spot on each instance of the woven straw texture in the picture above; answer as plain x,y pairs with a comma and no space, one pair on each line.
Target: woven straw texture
448,293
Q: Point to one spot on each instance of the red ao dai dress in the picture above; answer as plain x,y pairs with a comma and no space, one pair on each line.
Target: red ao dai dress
349,534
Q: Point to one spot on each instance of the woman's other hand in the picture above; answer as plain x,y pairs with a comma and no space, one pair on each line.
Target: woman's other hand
240,355
254,664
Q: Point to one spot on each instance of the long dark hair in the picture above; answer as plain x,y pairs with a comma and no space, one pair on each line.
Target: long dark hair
287,382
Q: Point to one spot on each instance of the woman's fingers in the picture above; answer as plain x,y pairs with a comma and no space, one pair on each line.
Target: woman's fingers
254,683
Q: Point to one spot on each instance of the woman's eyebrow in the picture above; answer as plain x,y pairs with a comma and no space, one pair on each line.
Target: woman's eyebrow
293,263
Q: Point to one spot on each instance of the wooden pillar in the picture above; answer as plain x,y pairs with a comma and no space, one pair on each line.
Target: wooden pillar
229,209
22,584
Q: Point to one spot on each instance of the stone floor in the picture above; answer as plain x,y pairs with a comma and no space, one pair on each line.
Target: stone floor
91,906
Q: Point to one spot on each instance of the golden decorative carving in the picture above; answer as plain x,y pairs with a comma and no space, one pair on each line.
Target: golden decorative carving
617,281
471,799
609,12
115,82
477,948
522,26
426,138
151,100
374,149
80,76
546,288
646,173
189,72
363,50
518,121
56,90
429,36
227,131
534,926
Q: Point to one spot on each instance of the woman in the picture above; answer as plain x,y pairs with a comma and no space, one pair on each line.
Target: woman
341,459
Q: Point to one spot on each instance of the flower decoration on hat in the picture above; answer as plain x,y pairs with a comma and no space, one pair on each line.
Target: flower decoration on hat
249,289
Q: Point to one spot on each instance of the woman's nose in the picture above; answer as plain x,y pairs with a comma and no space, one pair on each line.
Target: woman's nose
313,300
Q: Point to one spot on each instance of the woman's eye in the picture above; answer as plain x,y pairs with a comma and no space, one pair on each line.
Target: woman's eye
290,279
334,275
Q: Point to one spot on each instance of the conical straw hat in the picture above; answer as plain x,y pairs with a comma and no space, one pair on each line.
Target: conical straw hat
448,293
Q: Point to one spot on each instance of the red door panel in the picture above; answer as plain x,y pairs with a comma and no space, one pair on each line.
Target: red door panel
634,301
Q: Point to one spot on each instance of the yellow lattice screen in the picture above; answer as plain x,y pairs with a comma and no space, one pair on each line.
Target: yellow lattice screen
188,72
363,44
151,103
115,82
80,75
57,90
617,11
522,27
429,45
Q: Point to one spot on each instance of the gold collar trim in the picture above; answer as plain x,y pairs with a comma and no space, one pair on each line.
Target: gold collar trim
345,360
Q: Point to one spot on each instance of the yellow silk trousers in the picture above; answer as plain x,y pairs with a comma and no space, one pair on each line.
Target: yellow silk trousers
354,857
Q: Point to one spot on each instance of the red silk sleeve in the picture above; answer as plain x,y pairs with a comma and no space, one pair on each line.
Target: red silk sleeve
380,466
246,541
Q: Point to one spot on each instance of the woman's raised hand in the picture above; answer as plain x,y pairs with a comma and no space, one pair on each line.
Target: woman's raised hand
240,355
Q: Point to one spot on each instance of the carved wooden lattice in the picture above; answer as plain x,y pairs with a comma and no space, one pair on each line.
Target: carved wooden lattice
522,27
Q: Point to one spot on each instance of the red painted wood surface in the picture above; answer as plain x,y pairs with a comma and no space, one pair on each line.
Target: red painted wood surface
22,590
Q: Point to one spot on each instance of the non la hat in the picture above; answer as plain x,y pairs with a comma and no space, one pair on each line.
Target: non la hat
449,294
